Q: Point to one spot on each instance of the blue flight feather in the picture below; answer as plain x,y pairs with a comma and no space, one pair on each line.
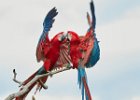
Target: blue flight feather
95,54
93,14
47,24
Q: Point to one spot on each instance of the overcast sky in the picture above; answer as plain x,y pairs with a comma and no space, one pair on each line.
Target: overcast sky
115,77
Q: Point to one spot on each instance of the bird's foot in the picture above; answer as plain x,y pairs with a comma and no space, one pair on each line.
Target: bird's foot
51,75
42,84
70,65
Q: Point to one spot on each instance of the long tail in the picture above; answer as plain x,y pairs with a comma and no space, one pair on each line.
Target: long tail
24,95
82,81
40,71
30,78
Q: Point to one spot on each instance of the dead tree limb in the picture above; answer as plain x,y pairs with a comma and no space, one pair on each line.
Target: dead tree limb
25,88
15,80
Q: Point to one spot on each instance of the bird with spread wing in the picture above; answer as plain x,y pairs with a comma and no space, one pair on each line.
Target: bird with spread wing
85,52
47,51
80,52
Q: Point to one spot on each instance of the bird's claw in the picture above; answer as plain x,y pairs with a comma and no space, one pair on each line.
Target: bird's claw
50,73
69,65
42,84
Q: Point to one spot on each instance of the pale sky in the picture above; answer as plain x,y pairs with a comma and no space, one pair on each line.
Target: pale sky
114,77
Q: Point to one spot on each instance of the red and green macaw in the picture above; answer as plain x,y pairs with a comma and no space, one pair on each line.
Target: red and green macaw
67,49
47,50
84,52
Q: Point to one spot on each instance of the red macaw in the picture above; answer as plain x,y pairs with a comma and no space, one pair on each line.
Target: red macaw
84,52
75,52
79,51
47,50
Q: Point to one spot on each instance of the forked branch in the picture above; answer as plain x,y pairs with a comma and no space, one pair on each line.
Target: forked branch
15,80
25,89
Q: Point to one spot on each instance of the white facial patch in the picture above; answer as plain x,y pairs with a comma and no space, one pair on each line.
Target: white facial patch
61,37
69,36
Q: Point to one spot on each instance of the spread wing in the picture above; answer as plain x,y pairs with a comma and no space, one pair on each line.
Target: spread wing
47,24
90,42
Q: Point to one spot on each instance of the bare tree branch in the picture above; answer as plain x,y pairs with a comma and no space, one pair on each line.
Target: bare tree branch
25,89
15,80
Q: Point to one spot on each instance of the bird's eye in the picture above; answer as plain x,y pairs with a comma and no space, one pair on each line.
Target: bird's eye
61,37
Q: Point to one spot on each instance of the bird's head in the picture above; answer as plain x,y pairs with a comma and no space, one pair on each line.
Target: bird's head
73,37
59,37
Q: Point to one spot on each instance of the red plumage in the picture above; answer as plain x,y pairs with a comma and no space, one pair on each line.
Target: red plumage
53,52
86,45
49,54
61,50
87,91
75,52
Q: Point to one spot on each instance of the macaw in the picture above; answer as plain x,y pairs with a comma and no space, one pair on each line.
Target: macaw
84,52
80,52
47,51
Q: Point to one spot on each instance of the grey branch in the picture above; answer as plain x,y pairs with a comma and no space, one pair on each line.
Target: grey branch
15,80
25,89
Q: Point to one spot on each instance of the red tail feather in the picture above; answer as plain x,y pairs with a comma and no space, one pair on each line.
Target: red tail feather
30,78
24,95
87,89
30,88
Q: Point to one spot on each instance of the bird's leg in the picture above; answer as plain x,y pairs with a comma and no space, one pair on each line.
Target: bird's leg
50,73
69,65
42,84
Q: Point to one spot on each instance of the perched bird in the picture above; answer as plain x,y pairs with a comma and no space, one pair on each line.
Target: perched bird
69,49
47,51
84,52
75,53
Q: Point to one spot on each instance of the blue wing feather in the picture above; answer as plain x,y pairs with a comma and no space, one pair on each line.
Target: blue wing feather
95,53
47,24
92,59
93,14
